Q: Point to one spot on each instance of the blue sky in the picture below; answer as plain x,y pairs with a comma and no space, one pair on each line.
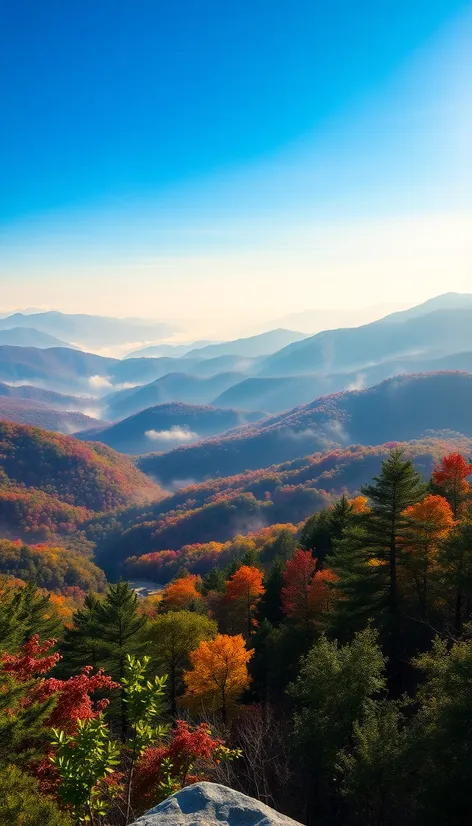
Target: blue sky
234,159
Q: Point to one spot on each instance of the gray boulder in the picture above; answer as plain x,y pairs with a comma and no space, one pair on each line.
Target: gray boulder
210,804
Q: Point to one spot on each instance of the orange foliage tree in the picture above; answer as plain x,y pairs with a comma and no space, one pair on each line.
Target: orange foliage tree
450,477
243,593
219,673
427,523
359,504
182,594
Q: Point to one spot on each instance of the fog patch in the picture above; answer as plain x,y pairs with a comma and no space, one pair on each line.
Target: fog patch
359,383
175,434
336,429
101,384
92,412
181,484
299,435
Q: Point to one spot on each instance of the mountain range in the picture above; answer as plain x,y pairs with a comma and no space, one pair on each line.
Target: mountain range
399,409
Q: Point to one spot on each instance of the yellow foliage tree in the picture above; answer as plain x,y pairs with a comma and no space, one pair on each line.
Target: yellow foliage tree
219,674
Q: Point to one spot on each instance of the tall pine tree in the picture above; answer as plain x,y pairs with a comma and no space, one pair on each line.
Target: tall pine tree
398,486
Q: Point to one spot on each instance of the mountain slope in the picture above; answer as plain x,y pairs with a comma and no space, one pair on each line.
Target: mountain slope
57,401
402,408
276,394
260,345
432,335
166,426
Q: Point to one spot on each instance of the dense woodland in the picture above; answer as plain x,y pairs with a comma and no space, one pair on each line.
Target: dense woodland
322,667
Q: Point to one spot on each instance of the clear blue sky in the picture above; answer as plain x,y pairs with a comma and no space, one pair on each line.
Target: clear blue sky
151,130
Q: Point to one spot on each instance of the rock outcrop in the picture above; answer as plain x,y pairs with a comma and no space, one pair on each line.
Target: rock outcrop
210,804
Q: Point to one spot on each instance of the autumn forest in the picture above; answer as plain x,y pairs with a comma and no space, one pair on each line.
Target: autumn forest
323,667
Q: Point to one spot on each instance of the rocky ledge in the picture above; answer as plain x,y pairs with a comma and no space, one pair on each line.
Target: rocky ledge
210,804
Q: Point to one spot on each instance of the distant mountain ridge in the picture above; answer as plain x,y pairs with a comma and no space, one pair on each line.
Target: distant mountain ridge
172,350
172,387
40,414
258,345
56,401
89,329
29,337
437,333
273,394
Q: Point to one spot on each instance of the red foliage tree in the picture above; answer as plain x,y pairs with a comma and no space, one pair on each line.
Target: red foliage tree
190,752
306,593
30,662
73,696
450,476
298,577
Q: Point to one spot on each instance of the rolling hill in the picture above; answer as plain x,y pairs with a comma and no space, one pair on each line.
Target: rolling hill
170,388
166,426
398,409
51,483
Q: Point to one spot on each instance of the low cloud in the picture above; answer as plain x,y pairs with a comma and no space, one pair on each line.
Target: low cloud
175,434
100,382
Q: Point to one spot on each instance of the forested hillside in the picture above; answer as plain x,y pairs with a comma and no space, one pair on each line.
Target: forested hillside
50,483
216,510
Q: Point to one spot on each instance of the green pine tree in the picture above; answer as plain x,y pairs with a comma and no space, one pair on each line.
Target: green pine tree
360,589
23,612
270,606
322,530
81,644
398,486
